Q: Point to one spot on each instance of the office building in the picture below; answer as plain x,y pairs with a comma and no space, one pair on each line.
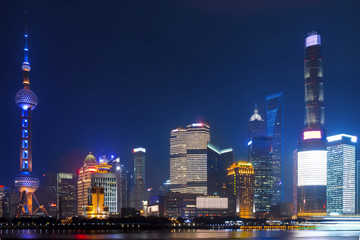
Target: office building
105,179
5,202
118,169
178,160
256,125
341,160
312,154
218,161
26,182
84,182
275,129
241,189
211,206
139,191
197,138
261,160
66,203
96,207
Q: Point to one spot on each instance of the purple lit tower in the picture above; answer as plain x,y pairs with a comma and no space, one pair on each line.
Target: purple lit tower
26,182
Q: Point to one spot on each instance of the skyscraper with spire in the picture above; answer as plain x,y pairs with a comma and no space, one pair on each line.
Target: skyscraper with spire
256,125
26,182
312,154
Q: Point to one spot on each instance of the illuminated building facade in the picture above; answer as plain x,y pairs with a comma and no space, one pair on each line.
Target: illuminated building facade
241,182
26,182
261,160
218,161
107,180
210,206
197,138
312,153
178,160
256,125
4,202
84,182
117,169
275,129
139,192
96,207
340,191
66,203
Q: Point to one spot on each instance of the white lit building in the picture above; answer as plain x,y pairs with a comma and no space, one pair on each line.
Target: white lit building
197,138
178,160
340,192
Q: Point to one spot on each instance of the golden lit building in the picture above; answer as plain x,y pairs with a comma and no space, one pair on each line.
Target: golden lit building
96,208
241,193
84,182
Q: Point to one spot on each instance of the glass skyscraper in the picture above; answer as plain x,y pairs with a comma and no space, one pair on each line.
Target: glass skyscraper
178,160
275,129
340,191
197,139
139,192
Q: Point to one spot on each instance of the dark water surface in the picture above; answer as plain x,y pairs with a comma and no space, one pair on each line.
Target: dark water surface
175,234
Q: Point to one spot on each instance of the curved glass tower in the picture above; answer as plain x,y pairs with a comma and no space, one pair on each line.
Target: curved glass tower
312,153
26,182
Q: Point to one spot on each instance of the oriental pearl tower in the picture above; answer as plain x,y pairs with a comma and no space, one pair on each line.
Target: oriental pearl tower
26,182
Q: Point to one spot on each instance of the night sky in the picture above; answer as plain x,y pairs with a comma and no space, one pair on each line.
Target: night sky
114,75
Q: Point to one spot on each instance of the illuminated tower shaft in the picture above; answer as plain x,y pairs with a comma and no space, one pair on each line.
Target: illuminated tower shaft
314,85
26,182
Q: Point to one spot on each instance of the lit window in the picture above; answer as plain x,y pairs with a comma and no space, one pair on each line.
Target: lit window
25,154
25,144
25,133
25,164
24,123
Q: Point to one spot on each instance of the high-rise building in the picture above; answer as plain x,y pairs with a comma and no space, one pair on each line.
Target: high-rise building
294,183
4,202
117,169
340,191
96,207
107,180
312,154
197,138
26,182
241,182
218,161
66,203
47,193
256,125
84,182
357,184
275,129
261,160
178,160
139,191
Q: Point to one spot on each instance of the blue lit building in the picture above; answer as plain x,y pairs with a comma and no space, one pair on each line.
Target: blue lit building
275,129
26,182
340,191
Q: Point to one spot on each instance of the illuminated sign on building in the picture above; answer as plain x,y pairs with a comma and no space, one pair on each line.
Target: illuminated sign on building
211,203
197,124
313,40
312,167
312,135
340,136
139,150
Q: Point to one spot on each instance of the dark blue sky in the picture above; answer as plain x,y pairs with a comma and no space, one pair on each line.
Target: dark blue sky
116,75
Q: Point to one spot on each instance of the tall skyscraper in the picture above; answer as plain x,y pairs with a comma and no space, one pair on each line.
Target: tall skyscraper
117,169
275,129
178,160
256,125
139,192
312,154
84,182
197,138
26,182
241,194
261,160
340,191
66,203
218,161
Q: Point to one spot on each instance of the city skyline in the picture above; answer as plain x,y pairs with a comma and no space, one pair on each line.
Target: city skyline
97,127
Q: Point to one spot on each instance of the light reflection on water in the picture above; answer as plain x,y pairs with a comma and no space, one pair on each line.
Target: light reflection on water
174,234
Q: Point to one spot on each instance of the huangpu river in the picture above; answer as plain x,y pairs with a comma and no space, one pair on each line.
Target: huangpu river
175,234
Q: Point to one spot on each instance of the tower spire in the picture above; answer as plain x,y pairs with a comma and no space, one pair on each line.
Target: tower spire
26,65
